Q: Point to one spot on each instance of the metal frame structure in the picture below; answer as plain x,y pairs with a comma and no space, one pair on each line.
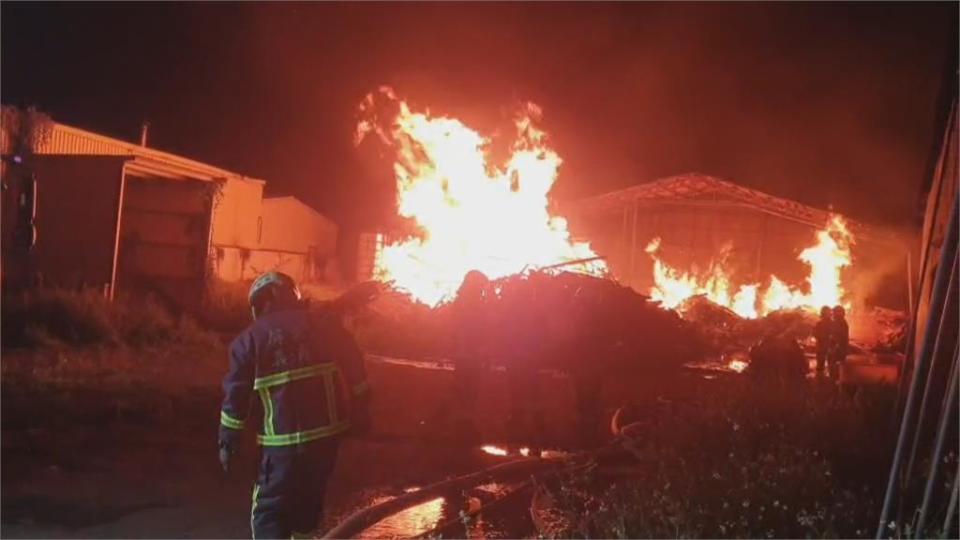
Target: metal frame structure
694,189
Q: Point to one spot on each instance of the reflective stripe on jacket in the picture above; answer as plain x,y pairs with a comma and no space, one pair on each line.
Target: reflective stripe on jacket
304,367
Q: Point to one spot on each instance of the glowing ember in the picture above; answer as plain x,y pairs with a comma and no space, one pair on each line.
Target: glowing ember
737,365
471,214
826,259
494,450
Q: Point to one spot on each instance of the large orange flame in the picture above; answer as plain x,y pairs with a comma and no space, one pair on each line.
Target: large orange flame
825,260
471,214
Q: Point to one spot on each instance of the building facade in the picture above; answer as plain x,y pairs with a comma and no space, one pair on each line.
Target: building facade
85,210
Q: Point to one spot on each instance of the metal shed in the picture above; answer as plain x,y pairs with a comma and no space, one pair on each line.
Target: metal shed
85,210
696,215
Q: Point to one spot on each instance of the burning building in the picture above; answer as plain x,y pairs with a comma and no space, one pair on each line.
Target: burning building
694,234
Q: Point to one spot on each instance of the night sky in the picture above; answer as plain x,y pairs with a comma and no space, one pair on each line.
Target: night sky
828,104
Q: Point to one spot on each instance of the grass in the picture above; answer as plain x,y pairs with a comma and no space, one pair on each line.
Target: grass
741,461
62,339
56,318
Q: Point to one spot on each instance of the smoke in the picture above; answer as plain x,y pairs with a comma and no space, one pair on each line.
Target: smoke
878,276
817,102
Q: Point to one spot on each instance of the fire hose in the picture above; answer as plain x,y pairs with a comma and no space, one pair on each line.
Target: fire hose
530,467
367,517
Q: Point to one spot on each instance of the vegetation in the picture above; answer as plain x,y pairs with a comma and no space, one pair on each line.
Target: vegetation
52,318
225,307
71,339
740,461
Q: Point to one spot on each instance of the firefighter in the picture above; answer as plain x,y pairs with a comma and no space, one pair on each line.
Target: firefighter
823,332
586,359
522,352
306,370
839,341
469,351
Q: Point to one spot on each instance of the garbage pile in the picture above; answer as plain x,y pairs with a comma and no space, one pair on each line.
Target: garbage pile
564,320
578,318
558,318
723,332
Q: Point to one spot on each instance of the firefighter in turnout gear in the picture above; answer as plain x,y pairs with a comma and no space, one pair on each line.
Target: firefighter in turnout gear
839,341
822,334
470,352
308,373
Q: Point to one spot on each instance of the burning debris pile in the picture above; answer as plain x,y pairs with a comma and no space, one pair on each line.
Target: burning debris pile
466,212
722,331
585,319
561,320
825,260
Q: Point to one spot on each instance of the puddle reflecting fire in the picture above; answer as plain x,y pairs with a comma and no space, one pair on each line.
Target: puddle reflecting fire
410,522
494,450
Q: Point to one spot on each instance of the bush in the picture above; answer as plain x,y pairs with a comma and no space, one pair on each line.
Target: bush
225,307
42,317
743,462
45,318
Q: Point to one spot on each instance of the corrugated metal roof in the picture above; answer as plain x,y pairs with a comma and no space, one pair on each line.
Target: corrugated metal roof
67,140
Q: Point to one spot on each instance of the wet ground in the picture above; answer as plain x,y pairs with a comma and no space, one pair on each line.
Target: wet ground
80,467
92,464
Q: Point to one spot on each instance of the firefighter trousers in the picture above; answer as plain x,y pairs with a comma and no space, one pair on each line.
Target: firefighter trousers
291,485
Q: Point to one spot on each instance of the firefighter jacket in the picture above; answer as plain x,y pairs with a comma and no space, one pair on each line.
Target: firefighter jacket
306,370
821,331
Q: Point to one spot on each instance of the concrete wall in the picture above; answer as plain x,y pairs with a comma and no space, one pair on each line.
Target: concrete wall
236,214
288,236
237,264
292,226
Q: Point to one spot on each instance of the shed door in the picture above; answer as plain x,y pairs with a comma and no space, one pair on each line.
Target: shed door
163,238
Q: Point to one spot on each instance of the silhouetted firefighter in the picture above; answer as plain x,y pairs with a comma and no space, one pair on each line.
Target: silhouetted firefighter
839,341
470,352
587,358
309,375
823,332
521,351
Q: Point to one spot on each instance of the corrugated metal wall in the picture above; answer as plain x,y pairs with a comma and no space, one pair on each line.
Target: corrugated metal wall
77,204
163,238
943,191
